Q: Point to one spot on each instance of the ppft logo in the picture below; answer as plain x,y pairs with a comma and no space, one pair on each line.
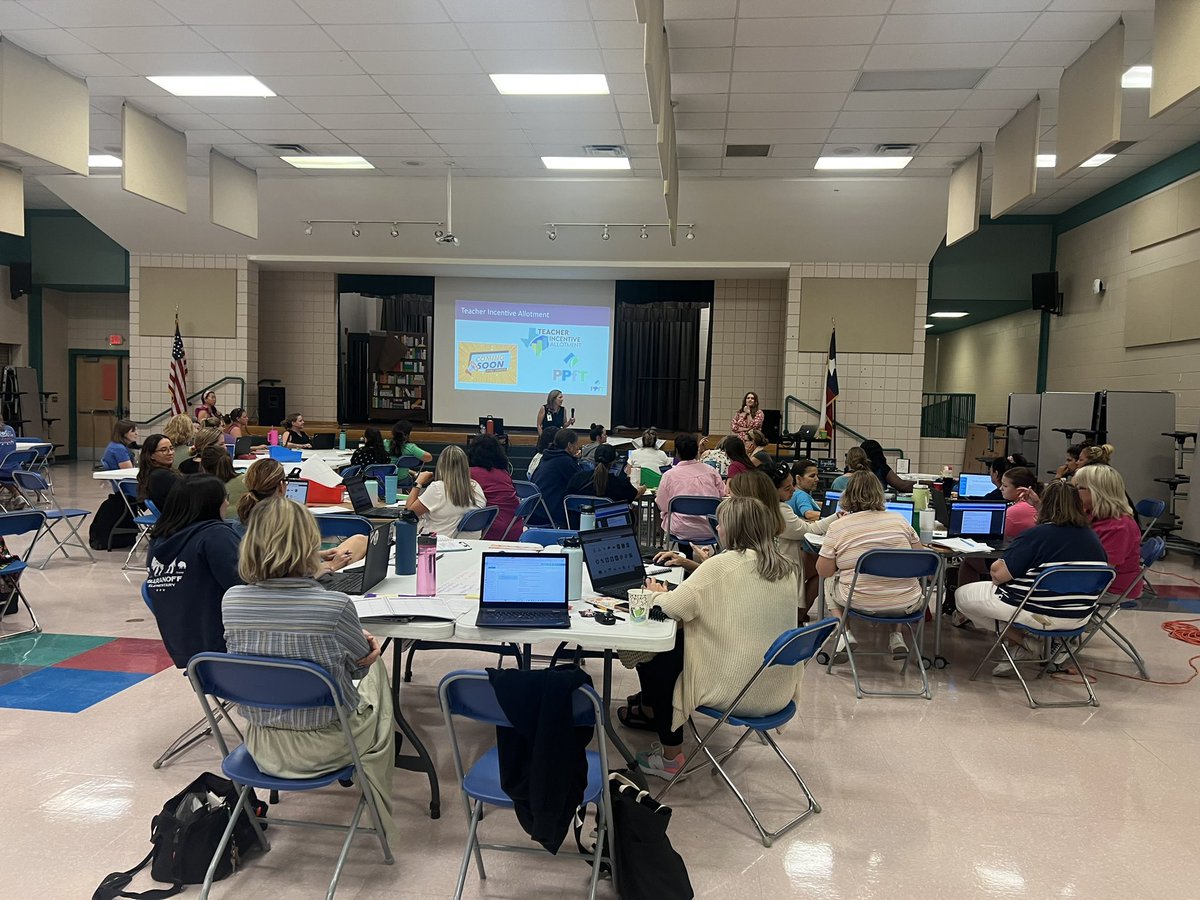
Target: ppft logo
568,373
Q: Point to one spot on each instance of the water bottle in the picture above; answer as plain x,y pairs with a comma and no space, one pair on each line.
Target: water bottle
926,526
406,544
273,437
587,518
574,554
491,425
390,488
920,498
635,477
342,439
427,565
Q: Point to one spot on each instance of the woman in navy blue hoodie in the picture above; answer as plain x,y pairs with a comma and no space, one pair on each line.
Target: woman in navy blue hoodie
559,465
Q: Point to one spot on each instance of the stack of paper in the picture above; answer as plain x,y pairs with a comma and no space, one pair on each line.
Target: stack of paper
443,608
963,545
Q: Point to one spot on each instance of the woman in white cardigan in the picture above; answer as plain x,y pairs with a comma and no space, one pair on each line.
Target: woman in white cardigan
730,610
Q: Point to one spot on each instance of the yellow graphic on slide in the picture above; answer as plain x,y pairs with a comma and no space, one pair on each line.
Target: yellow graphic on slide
487,363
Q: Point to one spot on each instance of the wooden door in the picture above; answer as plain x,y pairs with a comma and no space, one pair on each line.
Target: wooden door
98,403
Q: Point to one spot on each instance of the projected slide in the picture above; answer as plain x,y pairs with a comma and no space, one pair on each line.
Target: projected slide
531,348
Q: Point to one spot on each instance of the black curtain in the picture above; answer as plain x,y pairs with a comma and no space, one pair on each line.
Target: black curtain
656,359
407,312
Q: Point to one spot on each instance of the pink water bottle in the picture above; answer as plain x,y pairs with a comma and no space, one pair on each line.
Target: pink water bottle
427,565
273,437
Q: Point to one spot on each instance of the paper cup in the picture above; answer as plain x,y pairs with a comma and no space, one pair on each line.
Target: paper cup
640,601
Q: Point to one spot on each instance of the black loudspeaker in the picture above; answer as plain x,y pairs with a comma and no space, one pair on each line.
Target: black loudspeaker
772,419
20,279
271,403
1045,292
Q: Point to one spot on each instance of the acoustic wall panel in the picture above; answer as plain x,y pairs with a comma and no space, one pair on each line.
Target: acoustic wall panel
1176,62
874,315
962,209
1089,102
155,159
232,195
12,201
206,300
1014,171
1154,219
43,110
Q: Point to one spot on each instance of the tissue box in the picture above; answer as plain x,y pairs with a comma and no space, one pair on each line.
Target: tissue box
318,493
284,454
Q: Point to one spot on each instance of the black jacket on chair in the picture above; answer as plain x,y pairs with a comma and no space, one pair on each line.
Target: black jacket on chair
543,759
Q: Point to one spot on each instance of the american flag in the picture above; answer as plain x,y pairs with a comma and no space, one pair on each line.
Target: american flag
177,379
831,388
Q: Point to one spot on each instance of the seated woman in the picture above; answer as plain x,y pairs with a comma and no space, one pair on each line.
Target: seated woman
647,455
545,442
1015,487
756,448
599,436
179,430
795,528
1102,493
208,407
371,451
720,644
1071,463
735,451
1061,535
878,464
559,465
602,481
1095,455
863,524
294,435
489,469
215,461
119,452
155,475
806,476
996,469
856,461
204,438
442,503
687,478
402,445
281,610
235,425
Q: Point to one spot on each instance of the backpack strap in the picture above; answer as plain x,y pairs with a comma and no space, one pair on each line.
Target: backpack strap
112,885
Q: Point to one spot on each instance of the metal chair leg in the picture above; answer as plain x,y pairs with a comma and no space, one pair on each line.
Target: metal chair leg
472,845
137,543
35,628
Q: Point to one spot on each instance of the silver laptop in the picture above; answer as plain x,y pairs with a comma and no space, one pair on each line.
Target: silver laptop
523,590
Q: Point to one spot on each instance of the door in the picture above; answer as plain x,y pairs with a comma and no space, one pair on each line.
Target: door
97,387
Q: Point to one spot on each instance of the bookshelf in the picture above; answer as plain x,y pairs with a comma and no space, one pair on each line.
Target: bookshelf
399,387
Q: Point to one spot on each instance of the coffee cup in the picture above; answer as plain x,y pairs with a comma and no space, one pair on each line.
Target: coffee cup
640,601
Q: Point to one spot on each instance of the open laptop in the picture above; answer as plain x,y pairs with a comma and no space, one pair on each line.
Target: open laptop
941,510
374,568
523,590
829,506
323,441
978,520
356,488
614,515
972,487
296,489
613,560
902,508
242,446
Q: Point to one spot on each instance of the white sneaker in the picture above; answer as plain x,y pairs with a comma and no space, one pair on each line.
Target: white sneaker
839,655
897,646
653,762
1005,669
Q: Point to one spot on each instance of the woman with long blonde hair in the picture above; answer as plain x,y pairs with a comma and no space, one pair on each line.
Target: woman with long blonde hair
442,497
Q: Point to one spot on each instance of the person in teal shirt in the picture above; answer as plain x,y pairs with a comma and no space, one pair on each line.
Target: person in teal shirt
856,460
402,446
804,473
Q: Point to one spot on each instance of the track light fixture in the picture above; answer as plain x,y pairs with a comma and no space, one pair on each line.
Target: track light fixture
644,235
606,228
691,233
395,232
356,224
308,229
355,230
551,233
604,235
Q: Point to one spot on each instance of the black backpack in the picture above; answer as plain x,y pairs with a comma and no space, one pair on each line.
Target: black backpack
112,527
185,835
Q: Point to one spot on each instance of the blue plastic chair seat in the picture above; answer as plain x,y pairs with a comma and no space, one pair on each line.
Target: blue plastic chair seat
148,520
1049,633
482,782
240,767
13,568
758,723
55,514
910,619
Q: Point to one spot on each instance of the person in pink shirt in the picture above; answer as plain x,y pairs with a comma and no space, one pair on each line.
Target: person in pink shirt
1102,492
688,478
747,418
1015,485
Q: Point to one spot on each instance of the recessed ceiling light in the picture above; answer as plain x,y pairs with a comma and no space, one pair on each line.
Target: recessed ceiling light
1045,160
103,161
929,324
1137,77
550,84
863,163
586,162
947,315
327,162
920,80
1098,160
212,85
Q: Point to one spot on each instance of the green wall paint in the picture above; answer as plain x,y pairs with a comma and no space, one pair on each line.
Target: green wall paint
70,253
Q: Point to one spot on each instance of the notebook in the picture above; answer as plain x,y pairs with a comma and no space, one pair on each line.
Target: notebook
613,560
981,521
374,568
356,488
523,590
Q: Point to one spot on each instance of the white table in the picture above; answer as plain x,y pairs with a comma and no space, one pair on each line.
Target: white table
333,458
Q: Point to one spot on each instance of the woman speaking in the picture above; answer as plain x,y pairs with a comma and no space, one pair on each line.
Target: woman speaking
553,413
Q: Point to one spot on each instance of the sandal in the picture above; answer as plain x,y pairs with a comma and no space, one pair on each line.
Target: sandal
633,717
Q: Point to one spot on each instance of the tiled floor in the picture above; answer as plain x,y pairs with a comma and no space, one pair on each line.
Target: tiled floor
970,795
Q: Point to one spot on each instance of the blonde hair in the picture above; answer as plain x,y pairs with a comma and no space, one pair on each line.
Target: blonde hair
863,492
282,541
454,471
179,430
1096,455
206,437
756,437
1107,488
748,525
262,483
758,484
856,460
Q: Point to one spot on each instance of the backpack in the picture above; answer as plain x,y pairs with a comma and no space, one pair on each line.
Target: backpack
104,533
9,584
186,834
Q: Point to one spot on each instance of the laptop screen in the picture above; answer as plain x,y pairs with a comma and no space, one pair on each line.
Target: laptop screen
975,485
297,490
977,519
901,508
830,505
356,488
523,578
612,557
613,516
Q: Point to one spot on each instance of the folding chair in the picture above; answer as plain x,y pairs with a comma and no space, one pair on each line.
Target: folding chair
15,460
794,646
379,473
529,489
144,521
275,683
35,485
547,536
573,504
413,464
469,694
477,520
925,566
1079,581
1152,510
524,510
692,506
349,472
336,525
1151,552
11,525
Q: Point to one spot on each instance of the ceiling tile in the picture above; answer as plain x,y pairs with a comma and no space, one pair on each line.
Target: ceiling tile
936,56
449,122
147,39
73,14
974,118
597,103
1044,53
796,150
699,9
777,135
526,11
636,84
290,121
1083,26
259,38
891,100
529,35
697,103
622,35
796,59
914,7
954,28
519,148
702,60
323,85
983,135
236,12
693,121
696,163
372,12
630,61
641,103
703,136
191,122
85,64
701,33
404,86
786,102
548,60
1005,99
776,8
931,118
1029,78
215,136
123,86
48,41
285,136
692,151
610,10
452,104
478,136
810,31
179,63
881,135
782,119
642,120
792,82
246,105
417,62
580,137
267,64
396,37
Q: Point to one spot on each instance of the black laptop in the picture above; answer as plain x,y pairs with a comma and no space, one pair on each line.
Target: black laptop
979,520
523,590
356,488
242,446
613,560
323,441
374,568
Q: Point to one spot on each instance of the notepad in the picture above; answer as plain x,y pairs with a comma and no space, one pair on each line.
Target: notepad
963,545
442,608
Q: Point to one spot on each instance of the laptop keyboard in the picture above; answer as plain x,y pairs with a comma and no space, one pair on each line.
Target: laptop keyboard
523,615
346,583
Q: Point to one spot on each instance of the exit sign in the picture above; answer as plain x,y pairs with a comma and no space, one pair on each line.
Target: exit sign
115,340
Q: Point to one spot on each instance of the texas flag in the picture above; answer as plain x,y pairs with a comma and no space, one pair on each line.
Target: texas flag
831,387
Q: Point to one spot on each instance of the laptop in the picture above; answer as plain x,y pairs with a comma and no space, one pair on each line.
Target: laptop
356,488
243,446
374,568
941,511
523,590
974,486
902,508
829,506
614,515
296,489
613,560
323,441
978,520
805,434
497,425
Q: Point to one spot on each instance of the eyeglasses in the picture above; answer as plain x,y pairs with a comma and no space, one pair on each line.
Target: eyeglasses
165,450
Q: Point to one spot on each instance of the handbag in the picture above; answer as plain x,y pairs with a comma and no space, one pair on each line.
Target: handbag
185,835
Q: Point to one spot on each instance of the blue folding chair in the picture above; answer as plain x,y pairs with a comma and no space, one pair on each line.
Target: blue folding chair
14,461
1151,552
13,524
793,647
574,503
468,694
40,495
526,489
1151,510
524,510
144,521
349,472
1080,582
924,566
702,507
412,465
479,520
337,525
265,682
547,536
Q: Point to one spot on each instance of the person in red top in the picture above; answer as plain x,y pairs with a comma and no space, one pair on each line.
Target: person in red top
489,469
1015,485
747,418
735,449
1102,492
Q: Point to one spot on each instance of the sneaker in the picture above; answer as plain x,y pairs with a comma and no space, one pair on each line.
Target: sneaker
897,646
839,655
652,762
1005,669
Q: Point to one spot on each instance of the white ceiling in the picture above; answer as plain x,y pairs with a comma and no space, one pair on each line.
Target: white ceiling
404,82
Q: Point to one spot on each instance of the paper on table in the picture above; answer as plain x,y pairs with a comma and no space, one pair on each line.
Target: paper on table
328,510
318,470
450,545
444,608
963,545
460,585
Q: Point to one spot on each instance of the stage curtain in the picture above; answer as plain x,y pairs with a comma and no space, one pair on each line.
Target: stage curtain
656,359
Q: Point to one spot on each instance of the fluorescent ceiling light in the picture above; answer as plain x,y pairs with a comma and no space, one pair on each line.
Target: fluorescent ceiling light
919,80
327,162
103,161
862,163
1045,160
1098,160
212,85
929,324
947,315
1137,77
586,162
550,84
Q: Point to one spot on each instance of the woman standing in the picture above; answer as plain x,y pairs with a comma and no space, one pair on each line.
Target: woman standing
155,475
208,407
442,503
489,469
878,464
119,452
283,611
746,418
294,435
553,413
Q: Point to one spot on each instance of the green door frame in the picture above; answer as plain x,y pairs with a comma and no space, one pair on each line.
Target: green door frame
72,356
